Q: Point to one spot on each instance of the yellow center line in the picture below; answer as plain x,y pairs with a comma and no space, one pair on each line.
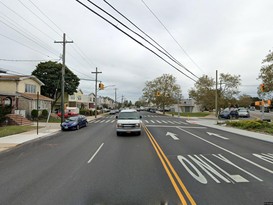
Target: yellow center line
170,171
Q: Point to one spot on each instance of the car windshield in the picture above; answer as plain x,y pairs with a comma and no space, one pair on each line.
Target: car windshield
128,115
71,119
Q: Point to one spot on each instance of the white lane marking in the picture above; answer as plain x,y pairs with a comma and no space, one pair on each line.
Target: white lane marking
190,127
164,121
172,135
245,159
152,121
95,153
216,135
158,121
102,121
170,122
184,123
146,121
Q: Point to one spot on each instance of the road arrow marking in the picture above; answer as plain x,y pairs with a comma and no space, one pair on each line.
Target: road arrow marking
172,135
216,135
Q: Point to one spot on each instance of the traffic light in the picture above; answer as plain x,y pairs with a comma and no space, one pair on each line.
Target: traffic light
101,86
262,87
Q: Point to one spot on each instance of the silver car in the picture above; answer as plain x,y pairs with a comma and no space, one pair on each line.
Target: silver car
128,121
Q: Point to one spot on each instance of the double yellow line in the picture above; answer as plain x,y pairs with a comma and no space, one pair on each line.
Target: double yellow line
173,176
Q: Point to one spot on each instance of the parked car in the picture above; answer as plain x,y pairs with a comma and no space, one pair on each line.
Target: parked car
243,113
229,114
74,123
128,121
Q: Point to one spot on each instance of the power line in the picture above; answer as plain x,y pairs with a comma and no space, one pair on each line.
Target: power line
30,39
26,21
172,36
38,17
23,45
75,47
17,60
134,39
168,55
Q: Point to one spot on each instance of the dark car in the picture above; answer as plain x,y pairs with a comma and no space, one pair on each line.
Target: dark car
74,123
229,114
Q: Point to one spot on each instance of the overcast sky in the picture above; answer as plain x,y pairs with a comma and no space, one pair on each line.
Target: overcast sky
231,36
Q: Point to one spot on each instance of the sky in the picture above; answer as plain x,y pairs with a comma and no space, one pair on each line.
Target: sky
231,36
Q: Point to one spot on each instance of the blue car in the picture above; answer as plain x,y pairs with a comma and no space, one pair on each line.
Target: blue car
229,114
74,123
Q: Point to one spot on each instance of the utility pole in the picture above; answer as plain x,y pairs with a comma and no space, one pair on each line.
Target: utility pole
64,42
216,93
96,90
115,98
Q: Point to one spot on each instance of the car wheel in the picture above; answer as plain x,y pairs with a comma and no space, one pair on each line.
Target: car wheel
139,133
77,127
118,133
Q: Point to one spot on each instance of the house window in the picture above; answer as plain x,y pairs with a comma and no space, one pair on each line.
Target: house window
30,88
79,97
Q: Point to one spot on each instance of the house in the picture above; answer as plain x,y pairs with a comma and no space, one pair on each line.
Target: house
21,93
78,99
186,105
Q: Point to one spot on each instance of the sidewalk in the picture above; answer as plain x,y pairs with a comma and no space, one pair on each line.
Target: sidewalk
213,124
46,130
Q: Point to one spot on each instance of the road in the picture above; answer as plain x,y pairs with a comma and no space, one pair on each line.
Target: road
174,161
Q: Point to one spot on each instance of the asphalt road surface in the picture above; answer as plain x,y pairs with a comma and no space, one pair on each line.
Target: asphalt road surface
173,161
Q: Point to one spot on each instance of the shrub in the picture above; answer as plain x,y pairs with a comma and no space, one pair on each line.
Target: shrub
44,113
34,114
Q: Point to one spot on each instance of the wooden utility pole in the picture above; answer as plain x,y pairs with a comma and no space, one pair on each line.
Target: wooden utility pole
96,90
64,42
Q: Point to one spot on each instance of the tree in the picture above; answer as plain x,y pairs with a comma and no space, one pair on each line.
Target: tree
162,91
229,89
204,91
50,74
266,75
245,100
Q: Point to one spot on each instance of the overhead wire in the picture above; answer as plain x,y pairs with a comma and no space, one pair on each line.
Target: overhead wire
134,39
74,45
30,39
170,56
172,36
166,54
26,21
24,45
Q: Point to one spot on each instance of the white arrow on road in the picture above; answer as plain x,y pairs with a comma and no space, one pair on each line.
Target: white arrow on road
216,135
172,135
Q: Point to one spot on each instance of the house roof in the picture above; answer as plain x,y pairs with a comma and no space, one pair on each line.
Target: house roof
33,96
19,78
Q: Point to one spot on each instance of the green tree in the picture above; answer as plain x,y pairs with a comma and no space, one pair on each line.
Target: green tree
50,74
204,91
162,91
245,100
229,89
266,75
